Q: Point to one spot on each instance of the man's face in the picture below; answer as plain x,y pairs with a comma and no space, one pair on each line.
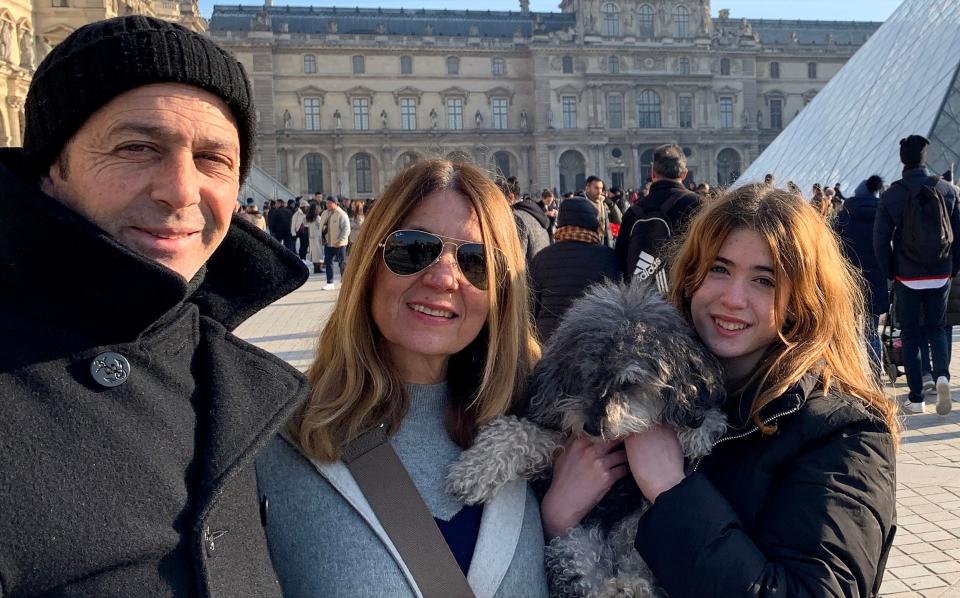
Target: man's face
158,168
331,205
594,190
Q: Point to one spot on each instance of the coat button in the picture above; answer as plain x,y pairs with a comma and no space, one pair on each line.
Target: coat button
110,369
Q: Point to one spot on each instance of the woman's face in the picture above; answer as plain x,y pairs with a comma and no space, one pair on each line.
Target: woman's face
427,317
733,310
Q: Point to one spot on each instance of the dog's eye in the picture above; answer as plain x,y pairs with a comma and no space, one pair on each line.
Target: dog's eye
628,388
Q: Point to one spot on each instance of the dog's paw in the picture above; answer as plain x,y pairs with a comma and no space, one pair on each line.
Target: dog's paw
697,442
506,449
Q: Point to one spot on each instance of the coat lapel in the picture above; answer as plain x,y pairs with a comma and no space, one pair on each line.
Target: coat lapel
498,539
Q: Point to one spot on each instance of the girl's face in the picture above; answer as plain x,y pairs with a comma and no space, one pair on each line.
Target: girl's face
733,310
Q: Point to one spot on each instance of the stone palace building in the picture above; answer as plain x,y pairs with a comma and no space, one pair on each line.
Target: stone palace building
30,28
347,96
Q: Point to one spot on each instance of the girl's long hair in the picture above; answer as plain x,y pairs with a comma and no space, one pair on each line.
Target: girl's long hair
823,327
354,386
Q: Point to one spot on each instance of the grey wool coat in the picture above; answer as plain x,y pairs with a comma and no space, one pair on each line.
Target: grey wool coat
146,488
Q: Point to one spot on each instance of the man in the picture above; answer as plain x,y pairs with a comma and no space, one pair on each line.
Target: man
548,204
769,180
532,222
593,190
669,206
914,243
280,224
298,228
131,415
336,226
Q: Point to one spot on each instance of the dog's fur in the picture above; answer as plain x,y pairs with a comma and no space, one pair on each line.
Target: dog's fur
622,360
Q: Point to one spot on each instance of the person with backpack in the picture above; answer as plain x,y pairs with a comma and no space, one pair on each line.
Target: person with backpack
914,245
649,223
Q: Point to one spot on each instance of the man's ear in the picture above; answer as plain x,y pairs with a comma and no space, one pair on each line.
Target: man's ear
683,174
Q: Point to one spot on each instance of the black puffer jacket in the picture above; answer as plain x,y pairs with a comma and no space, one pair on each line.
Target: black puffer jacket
147,488
854,225
808,511
561,273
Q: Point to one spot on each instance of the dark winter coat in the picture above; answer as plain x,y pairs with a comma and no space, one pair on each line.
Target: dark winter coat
854,225
808,511
889,216
679,216
532,223
561,273
280,223
147,488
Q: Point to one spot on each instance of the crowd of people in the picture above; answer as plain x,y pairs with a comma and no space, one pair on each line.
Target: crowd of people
148,451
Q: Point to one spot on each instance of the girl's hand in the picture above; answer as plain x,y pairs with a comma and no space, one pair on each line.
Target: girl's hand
656,460
582,475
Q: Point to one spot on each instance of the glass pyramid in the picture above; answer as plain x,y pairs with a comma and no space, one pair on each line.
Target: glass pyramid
903,81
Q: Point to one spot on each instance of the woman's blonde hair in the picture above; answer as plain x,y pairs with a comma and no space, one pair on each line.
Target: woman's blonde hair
822,327
354,386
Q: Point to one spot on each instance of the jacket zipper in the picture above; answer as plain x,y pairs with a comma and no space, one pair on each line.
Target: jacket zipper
747,433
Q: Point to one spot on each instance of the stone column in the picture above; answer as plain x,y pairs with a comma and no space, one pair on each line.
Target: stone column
14,106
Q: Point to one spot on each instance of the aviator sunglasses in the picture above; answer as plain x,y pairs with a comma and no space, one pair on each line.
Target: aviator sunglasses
409,252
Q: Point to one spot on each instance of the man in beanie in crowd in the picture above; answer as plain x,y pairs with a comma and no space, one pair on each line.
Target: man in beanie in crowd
913,239
560,273
131,414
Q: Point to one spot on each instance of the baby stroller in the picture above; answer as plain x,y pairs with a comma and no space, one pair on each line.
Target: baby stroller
891,343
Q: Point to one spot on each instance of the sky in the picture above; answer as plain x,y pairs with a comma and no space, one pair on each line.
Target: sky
826,10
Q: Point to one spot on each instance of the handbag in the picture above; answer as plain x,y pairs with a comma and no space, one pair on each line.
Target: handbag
401,511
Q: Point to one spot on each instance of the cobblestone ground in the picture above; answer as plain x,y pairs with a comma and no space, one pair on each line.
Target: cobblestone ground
925,559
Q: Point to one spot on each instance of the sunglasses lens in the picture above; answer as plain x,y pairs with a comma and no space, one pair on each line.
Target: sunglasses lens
407,252
473,264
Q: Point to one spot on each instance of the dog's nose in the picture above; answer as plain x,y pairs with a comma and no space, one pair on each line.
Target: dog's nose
592,426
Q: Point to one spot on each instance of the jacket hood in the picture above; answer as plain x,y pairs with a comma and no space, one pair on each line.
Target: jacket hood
52,257
862,206
530,207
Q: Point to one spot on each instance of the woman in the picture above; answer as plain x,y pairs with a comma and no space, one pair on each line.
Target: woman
315,250
431,336
798,498
356,221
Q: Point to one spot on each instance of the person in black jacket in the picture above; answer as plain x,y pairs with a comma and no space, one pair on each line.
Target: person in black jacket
854,225
131,413
921,289
669,171
797,499
560,273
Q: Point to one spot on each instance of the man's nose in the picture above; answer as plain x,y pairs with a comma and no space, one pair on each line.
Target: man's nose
177,182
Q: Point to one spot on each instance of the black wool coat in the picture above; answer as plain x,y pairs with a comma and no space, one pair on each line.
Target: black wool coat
809,511
146,488
561,273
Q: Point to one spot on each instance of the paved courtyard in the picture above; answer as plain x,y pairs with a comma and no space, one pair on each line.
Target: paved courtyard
925,560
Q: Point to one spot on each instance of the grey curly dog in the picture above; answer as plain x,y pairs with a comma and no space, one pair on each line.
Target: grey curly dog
622,360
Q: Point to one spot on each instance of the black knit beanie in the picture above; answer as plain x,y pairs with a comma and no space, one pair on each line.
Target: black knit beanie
913,150
579,212
102,60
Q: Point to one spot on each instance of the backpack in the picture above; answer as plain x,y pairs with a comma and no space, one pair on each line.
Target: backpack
648,236
925,235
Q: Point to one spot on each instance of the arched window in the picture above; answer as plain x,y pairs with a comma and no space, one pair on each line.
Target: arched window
613,65
648,105
363,174
309,64
502,163
498,66
645,21
610,24
407,158
774,70
681,22
728,167
684,66
724,66
567,64
453,65
314,167
572,167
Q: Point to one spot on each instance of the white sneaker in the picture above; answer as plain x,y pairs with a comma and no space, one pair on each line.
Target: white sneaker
329,286
943,396
912,408
928,386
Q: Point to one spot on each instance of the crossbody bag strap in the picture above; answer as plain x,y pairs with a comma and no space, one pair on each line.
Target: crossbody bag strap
404,516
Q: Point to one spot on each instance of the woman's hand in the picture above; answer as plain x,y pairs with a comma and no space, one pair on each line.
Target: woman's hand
582,475
656,460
